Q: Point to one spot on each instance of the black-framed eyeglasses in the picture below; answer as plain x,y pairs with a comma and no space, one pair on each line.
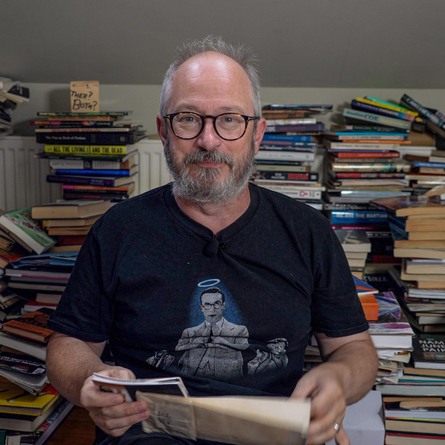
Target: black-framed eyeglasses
228,126
217,304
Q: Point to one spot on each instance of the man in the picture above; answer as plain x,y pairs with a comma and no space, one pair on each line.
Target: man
212,349
281,266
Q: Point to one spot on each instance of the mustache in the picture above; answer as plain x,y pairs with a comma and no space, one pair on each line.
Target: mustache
208,156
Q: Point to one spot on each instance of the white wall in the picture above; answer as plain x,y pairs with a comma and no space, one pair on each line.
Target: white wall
143,100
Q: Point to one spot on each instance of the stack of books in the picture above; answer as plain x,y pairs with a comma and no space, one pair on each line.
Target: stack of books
90,154
69,221
30,408
414,410
427,169
40,279
364,161
418,225
363,152
289,161
356,246
11,95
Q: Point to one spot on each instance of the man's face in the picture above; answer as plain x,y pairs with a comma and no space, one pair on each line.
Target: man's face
212,307
208,168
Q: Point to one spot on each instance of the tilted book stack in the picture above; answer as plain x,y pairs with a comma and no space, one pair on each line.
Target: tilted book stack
418,226
289,161
69,220
364,152
427,170
90,154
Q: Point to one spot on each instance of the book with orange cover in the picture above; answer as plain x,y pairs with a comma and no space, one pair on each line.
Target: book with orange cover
32,325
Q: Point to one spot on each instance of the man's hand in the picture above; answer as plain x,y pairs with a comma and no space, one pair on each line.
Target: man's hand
109,411
328,405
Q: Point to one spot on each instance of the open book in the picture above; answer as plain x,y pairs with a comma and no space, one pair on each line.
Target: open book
239,420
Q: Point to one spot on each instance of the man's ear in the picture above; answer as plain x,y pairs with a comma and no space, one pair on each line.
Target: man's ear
259,133
161,125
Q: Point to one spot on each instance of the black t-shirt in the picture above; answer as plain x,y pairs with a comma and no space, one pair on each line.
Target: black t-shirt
140,274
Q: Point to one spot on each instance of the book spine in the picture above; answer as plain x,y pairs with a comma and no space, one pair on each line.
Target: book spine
376,118
363,106
287,176
296,127
378,167
363,146
385,104
423,111
285,155
365,154
108,182
84,164
358,175
428,164
84,195
298,194
92,172
77,187
288,137
86,138
85,149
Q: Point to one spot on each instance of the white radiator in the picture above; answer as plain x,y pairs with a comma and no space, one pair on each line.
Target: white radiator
23,176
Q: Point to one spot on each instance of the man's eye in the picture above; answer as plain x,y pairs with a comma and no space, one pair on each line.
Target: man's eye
188,119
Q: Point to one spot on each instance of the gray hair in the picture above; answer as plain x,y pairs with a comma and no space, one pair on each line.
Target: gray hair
240,54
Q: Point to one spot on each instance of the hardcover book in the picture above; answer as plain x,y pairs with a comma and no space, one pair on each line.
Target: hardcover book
32,325
70,209
20,225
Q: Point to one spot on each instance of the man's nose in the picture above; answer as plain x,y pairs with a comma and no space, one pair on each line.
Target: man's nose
208,136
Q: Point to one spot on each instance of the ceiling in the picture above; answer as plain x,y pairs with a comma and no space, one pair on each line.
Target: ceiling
299,43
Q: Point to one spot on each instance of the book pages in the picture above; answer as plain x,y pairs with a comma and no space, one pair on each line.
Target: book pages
230,419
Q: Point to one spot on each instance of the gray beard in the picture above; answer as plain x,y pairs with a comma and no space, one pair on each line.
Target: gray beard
201,185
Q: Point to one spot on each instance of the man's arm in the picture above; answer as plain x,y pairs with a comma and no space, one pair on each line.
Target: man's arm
346,375
70,364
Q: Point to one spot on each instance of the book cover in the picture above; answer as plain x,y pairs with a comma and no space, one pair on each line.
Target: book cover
30,423
392,330
164,385
26,231
70,209
354,240
33,325
376,118
429,351
229,419
423,111
410,205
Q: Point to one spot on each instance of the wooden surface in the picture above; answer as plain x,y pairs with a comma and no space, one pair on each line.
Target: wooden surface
77,428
